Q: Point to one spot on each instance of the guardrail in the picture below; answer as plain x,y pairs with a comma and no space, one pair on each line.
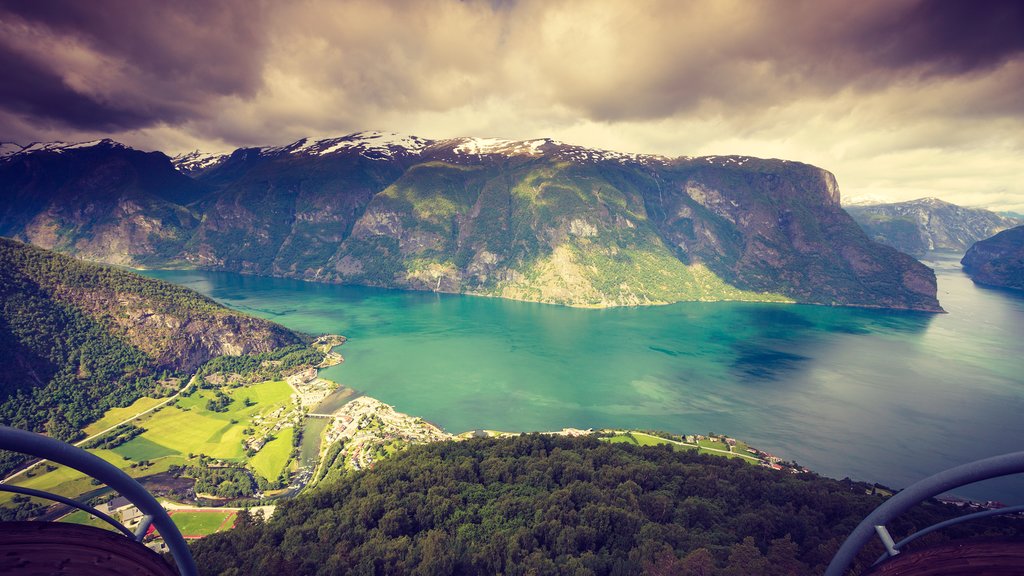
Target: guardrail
47,448
916,493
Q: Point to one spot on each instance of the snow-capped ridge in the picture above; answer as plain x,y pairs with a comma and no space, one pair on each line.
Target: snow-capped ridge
371,144
486,146
8,149
196,161
376,145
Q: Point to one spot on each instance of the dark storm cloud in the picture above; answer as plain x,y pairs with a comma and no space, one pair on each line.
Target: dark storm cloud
126,64
949,36
901,98
136,63
30,89
631,63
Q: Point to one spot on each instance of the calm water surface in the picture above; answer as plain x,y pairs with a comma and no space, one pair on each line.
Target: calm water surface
880,396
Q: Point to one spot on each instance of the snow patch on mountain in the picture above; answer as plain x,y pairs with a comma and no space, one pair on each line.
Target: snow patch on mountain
9,149
500,146
372,145
193,162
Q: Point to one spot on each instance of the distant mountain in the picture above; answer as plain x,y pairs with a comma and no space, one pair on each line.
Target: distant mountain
535,220
999,260
78,338
100,200
919,226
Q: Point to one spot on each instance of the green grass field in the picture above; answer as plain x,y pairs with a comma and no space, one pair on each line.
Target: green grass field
197,524
643,439
174,432
83,517
72,483
190,428
713,444
116,415
648,440
271,459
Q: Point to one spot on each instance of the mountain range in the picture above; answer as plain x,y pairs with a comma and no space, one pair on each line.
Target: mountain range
534,220
927,224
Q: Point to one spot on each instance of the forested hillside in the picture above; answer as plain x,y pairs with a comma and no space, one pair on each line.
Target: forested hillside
553,505
78,338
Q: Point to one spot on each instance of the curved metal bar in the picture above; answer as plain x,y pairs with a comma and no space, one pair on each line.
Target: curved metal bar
1006,464
951,522
69,502
26,442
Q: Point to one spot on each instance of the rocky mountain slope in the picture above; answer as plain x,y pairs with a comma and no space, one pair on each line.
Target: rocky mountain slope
999,260
536,220
100,200
77,338
919,226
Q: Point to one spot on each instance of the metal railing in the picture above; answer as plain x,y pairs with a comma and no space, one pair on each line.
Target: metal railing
47,448
916,493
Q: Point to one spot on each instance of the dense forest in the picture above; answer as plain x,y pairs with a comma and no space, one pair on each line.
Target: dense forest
252,368
552,505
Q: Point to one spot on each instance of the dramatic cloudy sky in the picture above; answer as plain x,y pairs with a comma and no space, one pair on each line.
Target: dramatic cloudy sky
899,98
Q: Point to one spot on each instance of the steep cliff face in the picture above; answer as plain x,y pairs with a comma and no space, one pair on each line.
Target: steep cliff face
535,229
768,225
177,328
99,200
282,214
920,226
538,220
998,261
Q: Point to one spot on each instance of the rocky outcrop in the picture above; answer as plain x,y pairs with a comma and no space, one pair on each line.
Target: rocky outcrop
998,261
920,226
178,329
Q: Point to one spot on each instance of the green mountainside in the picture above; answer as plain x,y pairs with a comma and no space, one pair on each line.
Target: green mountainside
538,220
919,226
998,261
78,338
543,505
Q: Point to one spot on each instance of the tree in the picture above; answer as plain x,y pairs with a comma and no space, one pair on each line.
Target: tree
700,562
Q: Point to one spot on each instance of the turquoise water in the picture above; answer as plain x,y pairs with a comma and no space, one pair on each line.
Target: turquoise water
873,395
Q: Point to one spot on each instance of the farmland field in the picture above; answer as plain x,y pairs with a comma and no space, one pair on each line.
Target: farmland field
116,415
270,460
203,523
174,432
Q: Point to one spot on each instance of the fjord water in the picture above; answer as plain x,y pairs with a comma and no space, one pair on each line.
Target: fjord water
880,396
